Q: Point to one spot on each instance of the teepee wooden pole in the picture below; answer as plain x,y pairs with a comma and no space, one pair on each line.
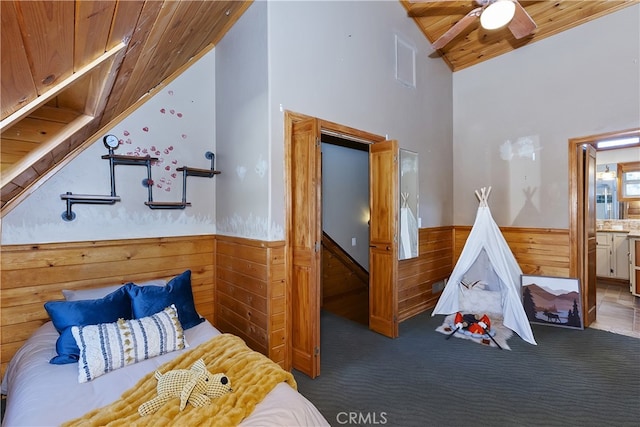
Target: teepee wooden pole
483,195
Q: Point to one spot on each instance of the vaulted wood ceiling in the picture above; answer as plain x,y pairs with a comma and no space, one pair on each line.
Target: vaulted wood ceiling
71,68
477,44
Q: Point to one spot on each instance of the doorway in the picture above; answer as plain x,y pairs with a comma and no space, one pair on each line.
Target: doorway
345,228
303,194
582,220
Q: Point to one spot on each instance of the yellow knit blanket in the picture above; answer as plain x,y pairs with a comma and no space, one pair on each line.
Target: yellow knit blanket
252,376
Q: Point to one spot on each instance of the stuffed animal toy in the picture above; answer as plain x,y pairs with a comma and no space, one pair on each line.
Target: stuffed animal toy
196,386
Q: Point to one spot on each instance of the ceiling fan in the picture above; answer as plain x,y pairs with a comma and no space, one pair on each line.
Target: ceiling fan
493,14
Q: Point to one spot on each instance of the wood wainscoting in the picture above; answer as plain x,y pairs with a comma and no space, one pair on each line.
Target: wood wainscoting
251,295
539,251
34,274
344,286
417,276
239,284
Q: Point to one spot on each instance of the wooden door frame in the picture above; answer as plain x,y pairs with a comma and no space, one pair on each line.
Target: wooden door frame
578,197
327,127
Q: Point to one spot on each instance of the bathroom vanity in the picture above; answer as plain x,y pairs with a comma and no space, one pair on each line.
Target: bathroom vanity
612,254
634,264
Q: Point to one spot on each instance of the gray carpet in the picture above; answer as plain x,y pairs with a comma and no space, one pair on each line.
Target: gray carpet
571,378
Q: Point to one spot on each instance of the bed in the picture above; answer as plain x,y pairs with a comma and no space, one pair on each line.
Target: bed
42,393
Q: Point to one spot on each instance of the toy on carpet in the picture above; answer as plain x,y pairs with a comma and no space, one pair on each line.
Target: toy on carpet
474,324
196,386
496,337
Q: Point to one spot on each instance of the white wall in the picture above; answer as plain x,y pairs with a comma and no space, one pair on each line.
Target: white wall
345,199
176,125
509,119
514,115
242,132
332,60
619,155
336,61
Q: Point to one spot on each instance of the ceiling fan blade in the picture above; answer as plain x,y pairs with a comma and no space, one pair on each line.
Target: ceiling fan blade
457,28
522,24
425,8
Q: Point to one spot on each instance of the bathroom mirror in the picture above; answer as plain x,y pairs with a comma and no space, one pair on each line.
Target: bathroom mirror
612,179
607,203
408,241
616,171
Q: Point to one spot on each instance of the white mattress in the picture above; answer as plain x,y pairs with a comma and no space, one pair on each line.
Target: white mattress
42,394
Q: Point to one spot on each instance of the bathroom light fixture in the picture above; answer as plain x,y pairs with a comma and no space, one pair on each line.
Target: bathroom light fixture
607,174
497,14
618,142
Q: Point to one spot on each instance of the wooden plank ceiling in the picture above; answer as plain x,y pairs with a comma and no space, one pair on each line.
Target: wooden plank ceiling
70,68
477,44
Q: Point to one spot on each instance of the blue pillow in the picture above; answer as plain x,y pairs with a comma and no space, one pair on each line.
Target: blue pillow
65,314
149,300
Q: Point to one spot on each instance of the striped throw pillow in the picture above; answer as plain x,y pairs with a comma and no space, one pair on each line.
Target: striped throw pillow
110,346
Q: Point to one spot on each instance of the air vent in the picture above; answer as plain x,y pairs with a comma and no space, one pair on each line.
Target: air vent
437,287
405,63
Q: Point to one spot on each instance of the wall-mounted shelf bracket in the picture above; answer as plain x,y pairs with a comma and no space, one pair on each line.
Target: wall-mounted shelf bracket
111,142
167,205
85,199
186,171
204,173
116,159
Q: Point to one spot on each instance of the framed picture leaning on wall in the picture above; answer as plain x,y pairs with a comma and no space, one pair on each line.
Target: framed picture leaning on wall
552,301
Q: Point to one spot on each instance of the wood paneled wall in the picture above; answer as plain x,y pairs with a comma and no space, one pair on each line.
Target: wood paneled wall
417,276
251,295
539,251
34,274
239,284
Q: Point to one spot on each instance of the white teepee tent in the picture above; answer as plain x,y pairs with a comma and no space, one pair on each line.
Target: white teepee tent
486,245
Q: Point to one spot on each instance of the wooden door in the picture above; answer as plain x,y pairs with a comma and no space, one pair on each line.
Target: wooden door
589,234
582,215
383,241
304,236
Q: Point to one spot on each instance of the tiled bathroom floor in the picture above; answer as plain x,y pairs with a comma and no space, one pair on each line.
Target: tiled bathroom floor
617,310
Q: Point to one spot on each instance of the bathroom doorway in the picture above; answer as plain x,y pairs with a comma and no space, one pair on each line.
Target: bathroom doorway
582,227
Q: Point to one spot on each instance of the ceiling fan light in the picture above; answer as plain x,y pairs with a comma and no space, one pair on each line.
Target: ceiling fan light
497,14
